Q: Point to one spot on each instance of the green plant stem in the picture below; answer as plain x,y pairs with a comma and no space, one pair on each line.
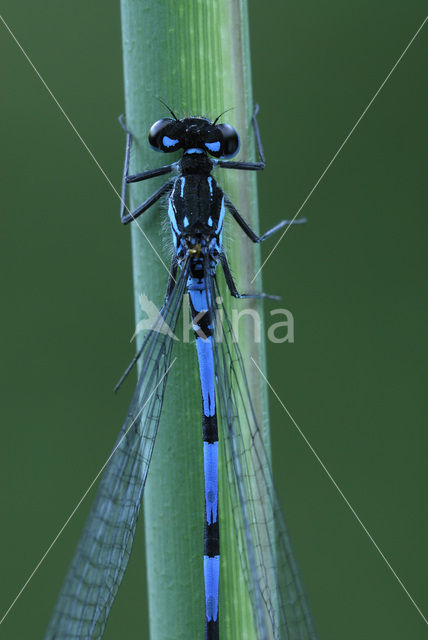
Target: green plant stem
194,55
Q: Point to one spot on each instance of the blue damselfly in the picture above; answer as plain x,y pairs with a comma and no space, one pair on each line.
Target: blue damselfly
196,209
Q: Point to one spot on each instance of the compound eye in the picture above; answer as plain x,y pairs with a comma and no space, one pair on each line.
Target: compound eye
230,144
161,138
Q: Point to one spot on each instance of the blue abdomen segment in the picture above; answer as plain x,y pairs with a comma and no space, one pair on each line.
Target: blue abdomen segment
199,297
211,576
201,324
211,480
206,372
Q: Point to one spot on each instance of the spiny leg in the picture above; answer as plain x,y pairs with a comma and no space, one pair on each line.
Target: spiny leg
138,177
246,227
163,190
249,166
232,287
253,166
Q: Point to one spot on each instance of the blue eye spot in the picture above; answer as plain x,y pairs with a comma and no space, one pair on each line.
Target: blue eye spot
213,146
169,142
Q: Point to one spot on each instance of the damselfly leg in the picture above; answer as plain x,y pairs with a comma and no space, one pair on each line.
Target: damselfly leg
232,287
249,166
125,218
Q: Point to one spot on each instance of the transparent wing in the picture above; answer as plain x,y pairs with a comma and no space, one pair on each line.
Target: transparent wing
280,606
100,560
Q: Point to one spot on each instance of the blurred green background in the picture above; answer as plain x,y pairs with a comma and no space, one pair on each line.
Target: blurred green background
354,279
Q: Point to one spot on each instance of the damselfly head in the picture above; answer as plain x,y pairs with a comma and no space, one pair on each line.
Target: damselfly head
195,134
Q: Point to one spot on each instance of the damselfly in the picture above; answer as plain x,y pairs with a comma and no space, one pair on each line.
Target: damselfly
196,209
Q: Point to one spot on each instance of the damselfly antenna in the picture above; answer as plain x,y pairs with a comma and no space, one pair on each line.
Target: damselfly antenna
169,109
222,114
